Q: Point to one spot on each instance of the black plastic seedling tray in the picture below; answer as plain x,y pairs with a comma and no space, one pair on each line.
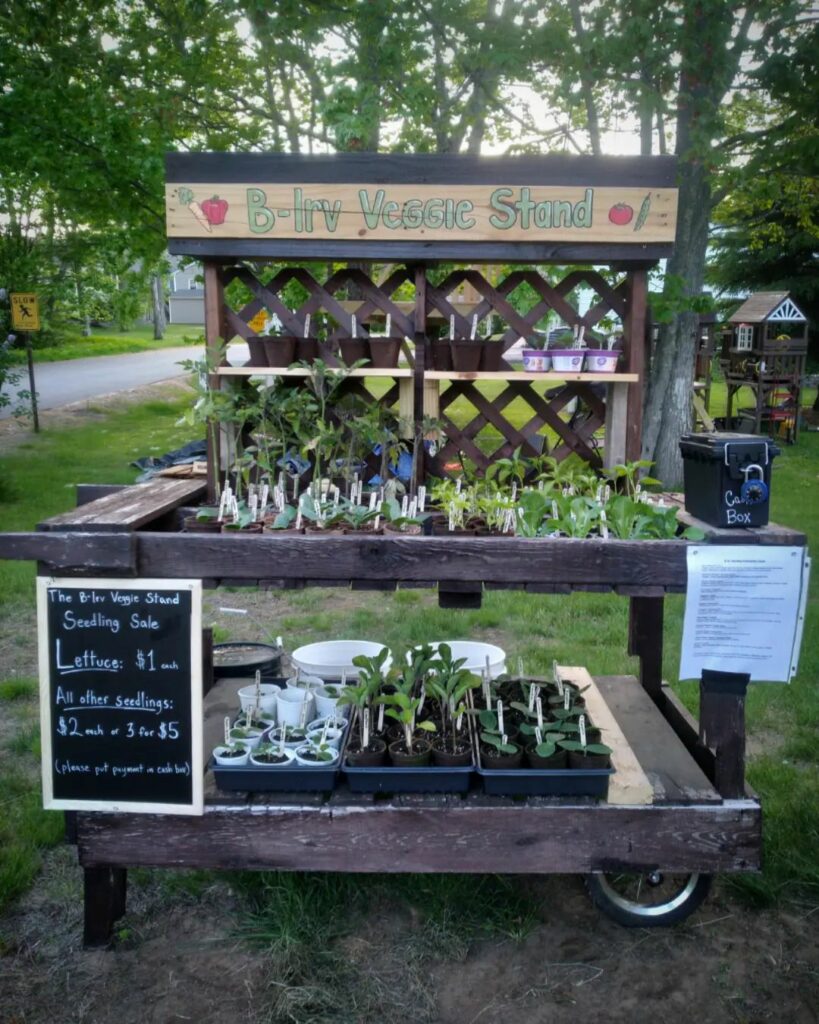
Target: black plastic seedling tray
546,781
250,779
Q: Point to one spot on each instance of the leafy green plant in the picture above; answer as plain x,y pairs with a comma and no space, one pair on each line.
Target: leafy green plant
449,683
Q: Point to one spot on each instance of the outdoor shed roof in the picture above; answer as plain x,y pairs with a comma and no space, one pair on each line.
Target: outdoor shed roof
759,306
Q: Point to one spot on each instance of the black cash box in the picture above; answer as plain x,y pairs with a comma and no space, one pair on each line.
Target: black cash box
728,477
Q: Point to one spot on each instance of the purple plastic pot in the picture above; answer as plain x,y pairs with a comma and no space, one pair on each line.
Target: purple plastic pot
601,360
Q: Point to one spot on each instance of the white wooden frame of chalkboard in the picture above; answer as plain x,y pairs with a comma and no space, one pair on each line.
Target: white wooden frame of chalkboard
196,807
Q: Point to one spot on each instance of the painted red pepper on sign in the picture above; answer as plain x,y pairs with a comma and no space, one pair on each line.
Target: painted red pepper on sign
215,209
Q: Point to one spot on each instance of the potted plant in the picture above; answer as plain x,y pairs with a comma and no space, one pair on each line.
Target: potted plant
205,520
363,749
272,755
567,351
231,754
440,352
449,683
536,356
316,754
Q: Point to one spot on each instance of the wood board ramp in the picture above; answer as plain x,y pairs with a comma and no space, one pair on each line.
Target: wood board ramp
674,774
629,784
129,508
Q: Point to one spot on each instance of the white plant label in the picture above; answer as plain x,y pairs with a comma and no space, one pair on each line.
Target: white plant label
581,722
500,716
567,699
380,718
227,730
532,695
539,710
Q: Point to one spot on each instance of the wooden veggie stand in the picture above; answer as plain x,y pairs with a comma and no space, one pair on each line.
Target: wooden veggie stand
678,802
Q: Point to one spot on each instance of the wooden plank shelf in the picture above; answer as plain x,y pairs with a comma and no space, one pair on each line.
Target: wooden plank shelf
522,375
393,373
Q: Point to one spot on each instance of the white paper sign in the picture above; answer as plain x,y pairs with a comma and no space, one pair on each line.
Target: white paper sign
744,610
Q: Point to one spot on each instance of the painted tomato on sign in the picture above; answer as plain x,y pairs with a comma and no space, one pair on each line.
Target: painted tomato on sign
215,209
621,213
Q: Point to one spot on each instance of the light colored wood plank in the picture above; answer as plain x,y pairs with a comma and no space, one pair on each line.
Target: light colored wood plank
629,784
300,371
396,212
600,378
616,422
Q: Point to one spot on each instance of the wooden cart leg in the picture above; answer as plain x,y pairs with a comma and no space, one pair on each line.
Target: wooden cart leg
105,896
645,632
722,728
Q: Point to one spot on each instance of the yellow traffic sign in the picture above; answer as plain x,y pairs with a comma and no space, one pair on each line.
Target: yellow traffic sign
25,311
257,323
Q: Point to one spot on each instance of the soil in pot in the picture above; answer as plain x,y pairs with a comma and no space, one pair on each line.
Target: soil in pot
443,756
372,756
495,760
441,354
354,349
279,349
272,759
557,760
466,356
384,352
306,350
420,757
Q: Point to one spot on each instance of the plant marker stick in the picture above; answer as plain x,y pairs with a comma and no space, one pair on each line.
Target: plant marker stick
539,712
323,739
452,327
307,326
532,695
567,699
227,730
404,506
248,717
474,330
388,328
373,499
298,518
353,326
422,699
265,495
582,725
377,522
258,690
303,712
500,716
365,729
283,739
487,697
538,735
381,717
422,497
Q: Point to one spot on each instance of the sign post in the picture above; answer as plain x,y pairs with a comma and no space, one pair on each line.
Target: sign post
25,317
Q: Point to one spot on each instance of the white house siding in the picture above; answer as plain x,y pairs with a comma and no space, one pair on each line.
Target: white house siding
186,311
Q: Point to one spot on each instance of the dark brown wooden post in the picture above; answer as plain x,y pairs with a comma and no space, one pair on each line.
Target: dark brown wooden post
214,337
645,640
105,890
722,728
634,338
420,323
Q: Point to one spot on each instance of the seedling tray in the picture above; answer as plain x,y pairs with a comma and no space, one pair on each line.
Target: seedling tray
546,781
249,779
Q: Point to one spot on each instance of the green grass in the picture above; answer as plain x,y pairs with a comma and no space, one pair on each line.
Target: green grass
108,342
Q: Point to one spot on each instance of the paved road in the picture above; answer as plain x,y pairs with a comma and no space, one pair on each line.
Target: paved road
76,380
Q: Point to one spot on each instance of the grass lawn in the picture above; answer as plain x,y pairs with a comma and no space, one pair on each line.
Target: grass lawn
37,480
106,341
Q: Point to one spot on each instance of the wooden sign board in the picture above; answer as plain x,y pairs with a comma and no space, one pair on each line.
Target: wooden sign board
121,694
25,311
410,206
478,213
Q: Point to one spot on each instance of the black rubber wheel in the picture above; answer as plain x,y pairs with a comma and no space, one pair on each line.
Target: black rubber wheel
652,900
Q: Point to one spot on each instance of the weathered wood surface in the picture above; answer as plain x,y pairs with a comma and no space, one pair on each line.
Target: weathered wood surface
674,774
773,533
630,784
129,508
104,897
337,836
86,552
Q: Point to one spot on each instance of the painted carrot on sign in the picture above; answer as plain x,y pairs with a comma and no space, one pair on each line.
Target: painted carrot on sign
186,199
643,214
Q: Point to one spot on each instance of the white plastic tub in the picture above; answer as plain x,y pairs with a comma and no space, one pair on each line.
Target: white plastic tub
476,654
535,360
331,659
567,360
601,360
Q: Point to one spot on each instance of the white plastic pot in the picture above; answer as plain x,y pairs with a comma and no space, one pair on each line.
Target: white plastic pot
267,698
568,360
333,737
251,738
337,721
535,360
325,703
601,360
332,659
289,705
220,759
476,654
289,754
300,751
304,682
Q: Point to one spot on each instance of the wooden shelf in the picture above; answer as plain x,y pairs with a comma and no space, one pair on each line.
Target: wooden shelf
395,373
602,378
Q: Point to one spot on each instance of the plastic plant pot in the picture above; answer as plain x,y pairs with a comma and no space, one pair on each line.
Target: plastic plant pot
337,721
305,682
282,758
466,356
223,755
307,350
420,757
267,697
250,737
334,737
374,756
535,360
258,356
491,356
279,349
601,360
290,708
384,352
557,760
567,360
303,758
354,349
191,524
441,354
326,700
496,760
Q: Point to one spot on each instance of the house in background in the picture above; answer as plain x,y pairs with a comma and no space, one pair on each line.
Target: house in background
186,295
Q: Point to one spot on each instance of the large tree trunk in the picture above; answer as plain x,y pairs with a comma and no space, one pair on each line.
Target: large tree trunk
158,306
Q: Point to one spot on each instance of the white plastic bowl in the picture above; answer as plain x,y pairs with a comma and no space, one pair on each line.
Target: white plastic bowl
476,654
331,659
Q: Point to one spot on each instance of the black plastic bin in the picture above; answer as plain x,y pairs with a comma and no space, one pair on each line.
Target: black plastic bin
728,477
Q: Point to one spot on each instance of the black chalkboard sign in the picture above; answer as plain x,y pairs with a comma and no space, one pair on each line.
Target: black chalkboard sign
121,694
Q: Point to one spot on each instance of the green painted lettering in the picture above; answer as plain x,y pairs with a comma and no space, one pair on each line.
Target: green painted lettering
298,212
543,215
434,213
525,205
583,212
498,202
413,214
331,215
371,211
259,217
462,210
389,218
562,213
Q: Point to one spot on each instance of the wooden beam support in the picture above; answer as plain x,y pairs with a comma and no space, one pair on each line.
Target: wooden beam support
722,728
634,331
105,890
646,641
87,552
